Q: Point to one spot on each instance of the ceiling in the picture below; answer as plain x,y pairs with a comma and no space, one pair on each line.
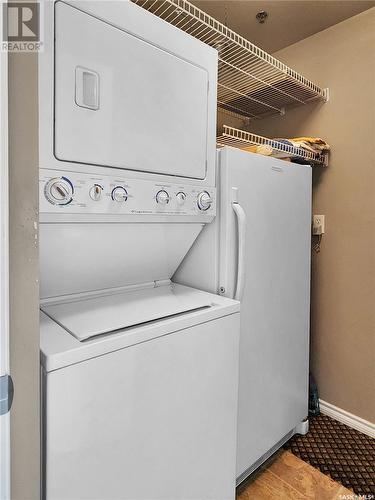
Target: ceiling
288,20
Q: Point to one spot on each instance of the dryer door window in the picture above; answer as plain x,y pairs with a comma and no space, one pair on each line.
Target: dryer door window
122,102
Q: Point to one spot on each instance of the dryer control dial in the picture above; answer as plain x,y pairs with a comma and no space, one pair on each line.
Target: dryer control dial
204,201
59,191
119,194
162,197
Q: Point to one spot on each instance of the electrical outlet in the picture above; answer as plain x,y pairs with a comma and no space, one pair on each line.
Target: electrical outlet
318,226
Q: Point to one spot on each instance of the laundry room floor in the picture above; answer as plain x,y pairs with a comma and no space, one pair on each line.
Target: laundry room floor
344,454
287,477
322,465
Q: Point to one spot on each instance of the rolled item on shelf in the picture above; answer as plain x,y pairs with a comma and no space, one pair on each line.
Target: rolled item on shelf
263,149
313,144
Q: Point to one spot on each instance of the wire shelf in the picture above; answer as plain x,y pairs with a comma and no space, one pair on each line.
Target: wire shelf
244,140
251,83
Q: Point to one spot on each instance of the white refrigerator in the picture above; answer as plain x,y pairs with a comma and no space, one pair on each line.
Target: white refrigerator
258,250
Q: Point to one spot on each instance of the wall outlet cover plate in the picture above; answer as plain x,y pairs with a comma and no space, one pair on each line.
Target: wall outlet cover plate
318,224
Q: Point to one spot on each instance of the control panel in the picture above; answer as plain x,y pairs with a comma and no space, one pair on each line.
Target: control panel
71,192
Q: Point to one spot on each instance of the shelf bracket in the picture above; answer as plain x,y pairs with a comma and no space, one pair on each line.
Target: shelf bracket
282,111
326,94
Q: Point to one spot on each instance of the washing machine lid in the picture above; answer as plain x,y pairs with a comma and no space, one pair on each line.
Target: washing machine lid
59,349
93,316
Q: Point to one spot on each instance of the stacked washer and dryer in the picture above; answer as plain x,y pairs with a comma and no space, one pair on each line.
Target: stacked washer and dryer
139,374
145,237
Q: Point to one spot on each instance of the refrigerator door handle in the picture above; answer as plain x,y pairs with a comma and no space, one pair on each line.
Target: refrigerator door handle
241,265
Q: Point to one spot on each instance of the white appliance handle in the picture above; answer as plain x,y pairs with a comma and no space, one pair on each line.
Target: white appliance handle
241,266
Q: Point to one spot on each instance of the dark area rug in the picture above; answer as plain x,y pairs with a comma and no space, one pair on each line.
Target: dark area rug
344,454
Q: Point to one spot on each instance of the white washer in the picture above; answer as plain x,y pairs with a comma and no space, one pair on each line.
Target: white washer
147,412
139,375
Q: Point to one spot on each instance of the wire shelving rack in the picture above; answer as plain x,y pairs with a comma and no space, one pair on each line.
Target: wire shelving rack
251,82
241,139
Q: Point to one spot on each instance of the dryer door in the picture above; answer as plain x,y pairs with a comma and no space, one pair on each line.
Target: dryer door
123,102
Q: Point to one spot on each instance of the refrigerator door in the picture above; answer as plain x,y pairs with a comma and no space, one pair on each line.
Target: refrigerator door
274,345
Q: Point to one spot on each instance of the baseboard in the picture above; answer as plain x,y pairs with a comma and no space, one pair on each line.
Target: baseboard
347,418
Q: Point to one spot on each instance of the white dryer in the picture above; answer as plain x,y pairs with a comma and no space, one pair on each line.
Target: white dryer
139,374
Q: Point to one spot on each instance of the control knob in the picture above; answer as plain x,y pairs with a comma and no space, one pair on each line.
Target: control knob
96,192
59,191
204,201
162,197
119,194
181,198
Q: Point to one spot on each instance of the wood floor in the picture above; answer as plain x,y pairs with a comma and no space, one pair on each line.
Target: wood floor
288,477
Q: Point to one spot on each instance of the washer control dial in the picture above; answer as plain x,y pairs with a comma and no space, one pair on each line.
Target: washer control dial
204,201
119,194
162,197
96,192
59,191
181,198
